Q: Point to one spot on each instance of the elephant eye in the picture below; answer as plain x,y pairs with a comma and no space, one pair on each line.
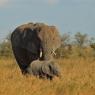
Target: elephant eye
39,29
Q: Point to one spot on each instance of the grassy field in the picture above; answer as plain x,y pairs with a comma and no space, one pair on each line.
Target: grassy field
78,78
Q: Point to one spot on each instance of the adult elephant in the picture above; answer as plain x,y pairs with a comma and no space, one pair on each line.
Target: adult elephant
30,40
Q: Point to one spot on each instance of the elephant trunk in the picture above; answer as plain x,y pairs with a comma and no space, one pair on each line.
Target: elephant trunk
48,53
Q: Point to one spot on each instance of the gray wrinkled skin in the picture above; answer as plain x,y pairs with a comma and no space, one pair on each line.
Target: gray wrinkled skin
44,69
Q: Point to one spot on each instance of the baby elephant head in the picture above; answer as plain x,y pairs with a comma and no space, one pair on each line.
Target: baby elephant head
50,69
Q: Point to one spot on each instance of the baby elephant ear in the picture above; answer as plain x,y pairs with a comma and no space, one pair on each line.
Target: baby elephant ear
46,69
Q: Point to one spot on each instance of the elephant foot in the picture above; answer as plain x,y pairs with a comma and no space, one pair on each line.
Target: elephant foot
24,72
27,71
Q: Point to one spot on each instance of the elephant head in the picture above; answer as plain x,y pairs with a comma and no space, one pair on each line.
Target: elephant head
50,69
50,39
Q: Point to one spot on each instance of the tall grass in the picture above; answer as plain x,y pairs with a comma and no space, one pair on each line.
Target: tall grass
77,78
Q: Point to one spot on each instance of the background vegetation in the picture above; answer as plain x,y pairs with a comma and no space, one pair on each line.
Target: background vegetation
81,45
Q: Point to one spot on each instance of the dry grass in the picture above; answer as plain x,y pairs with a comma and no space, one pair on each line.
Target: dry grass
78,78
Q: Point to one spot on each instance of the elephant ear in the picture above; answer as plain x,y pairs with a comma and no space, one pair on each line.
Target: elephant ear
30,40
46,69
54,69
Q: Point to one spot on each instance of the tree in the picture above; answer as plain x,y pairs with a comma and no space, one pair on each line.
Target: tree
92,43
65,39
5,47
65,50
81,39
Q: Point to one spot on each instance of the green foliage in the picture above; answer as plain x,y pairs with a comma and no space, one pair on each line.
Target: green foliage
65,39
80,48
92,41
65,50
5,48
81,39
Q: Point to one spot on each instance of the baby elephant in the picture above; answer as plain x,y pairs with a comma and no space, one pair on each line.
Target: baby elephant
44,69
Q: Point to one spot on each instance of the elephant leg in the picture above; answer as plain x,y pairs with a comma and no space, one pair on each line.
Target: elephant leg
24,58
49,77
21,58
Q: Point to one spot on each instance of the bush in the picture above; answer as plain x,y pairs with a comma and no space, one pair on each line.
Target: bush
5,49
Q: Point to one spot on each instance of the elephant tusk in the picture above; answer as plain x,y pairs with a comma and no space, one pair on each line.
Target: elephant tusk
54,52
40,54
